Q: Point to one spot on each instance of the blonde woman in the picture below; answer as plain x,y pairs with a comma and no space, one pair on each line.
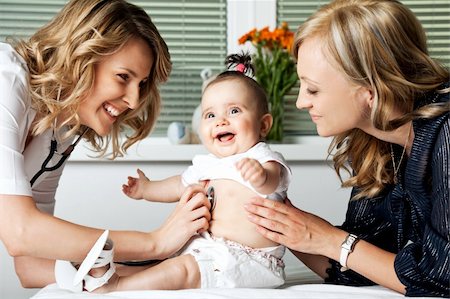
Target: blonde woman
74,79
366,78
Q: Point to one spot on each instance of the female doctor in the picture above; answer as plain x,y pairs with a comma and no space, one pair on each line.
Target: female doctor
74,79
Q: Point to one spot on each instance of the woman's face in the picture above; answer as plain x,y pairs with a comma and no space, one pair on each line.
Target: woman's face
334,103
118,80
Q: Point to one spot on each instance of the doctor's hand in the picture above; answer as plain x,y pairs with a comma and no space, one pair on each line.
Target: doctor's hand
191,216
296,229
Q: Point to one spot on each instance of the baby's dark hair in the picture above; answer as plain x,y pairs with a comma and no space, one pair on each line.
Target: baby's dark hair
240,67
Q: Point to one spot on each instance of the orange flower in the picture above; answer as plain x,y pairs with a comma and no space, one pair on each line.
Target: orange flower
279,37
249,36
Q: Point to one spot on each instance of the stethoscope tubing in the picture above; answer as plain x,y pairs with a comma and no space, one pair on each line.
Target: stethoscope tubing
53,148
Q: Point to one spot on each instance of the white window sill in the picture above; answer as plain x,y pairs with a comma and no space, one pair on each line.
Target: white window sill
159,149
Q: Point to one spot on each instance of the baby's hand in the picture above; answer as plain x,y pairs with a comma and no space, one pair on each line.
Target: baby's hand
136,186
252,171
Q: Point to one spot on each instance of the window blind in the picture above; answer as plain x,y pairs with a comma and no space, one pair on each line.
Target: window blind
433,14
294,12
195,32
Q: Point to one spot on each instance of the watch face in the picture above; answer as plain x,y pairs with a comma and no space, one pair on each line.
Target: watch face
349,242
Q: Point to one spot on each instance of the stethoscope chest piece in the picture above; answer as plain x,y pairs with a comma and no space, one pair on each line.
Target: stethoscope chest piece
211,197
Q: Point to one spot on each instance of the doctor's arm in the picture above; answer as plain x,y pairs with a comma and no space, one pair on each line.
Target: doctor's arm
27,232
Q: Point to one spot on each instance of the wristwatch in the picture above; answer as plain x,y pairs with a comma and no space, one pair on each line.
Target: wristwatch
347,248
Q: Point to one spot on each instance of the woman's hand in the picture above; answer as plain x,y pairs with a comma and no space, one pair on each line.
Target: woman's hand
191,216
296,229
313,240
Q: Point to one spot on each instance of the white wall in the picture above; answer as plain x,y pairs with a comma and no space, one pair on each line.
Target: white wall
244,15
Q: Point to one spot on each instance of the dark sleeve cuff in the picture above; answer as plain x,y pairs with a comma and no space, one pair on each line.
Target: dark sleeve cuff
424,268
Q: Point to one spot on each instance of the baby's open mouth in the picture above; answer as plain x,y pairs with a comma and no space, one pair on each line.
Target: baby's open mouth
224,137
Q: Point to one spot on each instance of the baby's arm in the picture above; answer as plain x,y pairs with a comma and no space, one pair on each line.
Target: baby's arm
263,177
167,190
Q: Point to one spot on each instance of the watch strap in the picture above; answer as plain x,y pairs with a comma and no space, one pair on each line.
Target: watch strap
347,248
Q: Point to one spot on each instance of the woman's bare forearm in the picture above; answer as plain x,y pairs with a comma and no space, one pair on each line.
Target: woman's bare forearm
375,264
38,239
26,231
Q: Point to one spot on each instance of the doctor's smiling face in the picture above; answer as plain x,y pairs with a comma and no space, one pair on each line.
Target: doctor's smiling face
231,120
117,86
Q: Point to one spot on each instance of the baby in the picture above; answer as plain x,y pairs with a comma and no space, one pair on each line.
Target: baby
235,120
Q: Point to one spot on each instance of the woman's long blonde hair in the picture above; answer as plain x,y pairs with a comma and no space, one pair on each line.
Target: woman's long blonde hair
381,45
61,57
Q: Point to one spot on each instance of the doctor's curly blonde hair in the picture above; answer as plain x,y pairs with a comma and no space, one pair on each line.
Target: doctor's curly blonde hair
61,57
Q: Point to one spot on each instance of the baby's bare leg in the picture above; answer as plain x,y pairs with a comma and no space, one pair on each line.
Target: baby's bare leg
180,272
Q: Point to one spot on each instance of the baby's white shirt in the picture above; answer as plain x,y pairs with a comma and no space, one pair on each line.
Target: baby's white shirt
210,167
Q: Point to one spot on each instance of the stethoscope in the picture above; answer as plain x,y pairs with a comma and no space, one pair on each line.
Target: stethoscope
210,195
53,149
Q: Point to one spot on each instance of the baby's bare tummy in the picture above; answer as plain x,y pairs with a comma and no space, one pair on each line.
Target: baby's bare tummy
229,218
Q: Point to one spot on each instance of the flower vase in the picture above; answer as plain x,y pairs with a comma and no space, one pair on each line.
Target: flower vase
275,70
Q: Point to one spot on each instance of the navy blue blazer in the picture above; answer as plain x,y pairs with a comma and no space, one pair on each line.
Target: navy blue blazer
412,217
